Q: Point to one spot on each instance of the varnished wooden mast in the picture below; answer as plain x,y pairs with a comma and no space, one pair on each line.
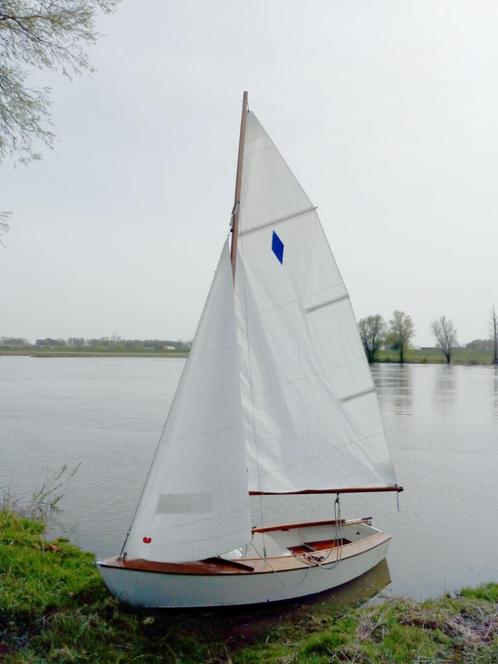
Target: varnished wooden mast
238,181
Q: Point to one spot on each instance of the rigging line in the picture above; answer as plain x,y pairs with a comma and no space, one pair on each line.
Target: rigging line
312,560
338,538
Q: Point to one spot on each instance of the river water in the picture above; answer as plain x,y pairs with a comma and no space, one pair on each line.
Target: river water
106,415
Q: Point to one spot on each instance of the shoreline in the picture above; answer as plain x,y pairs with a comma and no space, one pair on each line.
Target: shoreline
461,357
83,354
54,607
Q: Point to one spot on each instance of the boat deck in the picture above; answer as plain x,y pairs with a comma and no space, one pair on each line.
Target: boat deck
299,556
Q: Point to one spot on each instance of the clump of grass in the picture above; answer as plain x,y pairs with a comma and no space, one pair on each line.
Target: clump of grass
45,502
487,592
395,632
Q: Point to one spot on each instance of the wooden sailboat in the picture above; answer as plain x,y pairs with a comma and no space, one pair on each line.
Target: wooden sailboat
276,398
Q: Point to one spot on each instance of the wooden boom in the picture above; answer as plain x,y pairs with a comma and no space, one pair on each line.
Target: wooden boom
351,489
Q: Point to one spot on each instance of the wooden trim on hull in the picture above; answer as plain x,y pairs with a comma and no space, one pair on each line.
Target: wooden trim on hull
309,524
221,567
359,489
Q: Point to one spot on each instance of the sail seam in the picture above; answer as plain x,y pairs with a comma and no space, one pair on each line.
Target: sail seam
334,300
279,220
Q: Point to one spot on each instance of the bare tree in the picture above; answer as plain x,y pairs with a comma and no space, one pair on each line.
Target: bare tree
493,333
445,335
40,34
372,329
4,226
401,331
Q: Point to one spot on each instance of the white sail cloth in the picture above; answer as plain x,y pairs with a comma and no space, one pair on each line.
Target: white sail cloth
310,411
195,503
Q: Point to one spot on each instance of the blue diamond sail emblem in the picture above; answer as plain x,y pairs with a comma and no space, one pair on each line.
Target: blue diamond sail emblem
277,246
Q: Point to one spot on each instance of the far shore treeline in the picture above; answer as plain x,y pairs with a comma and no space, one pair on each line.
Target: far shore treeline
391,342
383,342
76,346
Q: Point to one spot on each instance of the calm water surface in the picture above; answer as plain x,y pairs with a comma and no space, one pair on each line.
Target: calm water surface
107,413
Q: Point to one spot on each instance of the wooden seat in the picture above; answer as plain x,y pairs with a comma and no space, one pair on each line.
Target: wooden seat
313,547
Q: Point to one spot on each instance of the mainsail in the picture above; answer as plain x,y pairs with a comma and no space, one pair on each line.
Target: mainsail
276,395
195,502
310,411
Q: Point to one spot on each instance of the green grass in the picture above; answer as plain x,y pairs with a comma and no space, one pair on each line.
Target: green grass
55,608
71,352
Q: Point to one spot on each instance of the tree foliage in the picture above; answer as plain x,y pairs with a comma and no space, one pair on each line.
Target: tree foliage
372,329
41,34
445,334
480,345
401,331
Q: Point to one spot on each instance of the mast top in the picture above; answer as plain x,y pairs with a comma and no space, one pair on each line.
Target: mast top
238,182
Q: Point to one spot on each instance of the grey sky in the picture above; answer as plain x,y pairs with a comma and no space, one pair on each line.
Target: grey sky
387,111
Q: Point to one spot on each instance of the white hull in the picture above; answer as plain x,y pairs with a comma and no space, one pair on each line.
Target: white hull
157,589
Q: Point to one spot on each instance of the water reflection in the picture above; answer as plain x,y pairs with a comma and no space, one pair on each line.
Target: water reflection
495,389
445,388
394,387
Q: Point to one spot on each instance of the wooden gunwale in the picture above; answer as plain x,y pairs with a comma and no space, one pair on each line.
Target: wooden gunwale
289,563
309,524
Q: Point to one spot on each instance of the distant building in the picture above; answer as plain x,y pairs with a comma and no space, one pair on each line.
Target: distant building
50,343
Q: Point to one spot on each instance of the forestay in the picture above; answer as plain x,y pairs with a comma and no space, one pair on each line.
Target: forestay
195,502
310,411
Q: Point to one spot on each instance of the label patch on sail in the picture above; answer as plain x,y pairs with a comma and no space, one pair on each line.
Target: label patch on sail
277,246
183,503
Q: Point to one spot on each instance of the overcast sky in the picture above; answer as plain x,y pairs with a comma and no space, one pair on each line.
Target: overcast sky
387,111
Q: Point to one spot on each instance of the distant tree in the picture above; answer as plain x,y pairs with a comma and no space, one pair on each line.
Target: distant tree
444,332
493,333
480,345
4,225
401,331
372,329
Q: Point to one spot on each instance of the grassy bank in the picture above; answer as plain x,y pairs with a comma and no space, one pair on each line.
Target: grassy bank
35,352
54,608
433,356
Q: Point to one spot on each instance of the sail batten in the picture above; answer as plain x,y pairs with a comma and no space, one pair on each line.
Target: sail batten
327,303
280,220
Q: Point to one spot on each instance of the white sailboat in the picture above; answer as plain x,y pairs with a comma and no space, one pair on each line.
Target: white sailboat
276,397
